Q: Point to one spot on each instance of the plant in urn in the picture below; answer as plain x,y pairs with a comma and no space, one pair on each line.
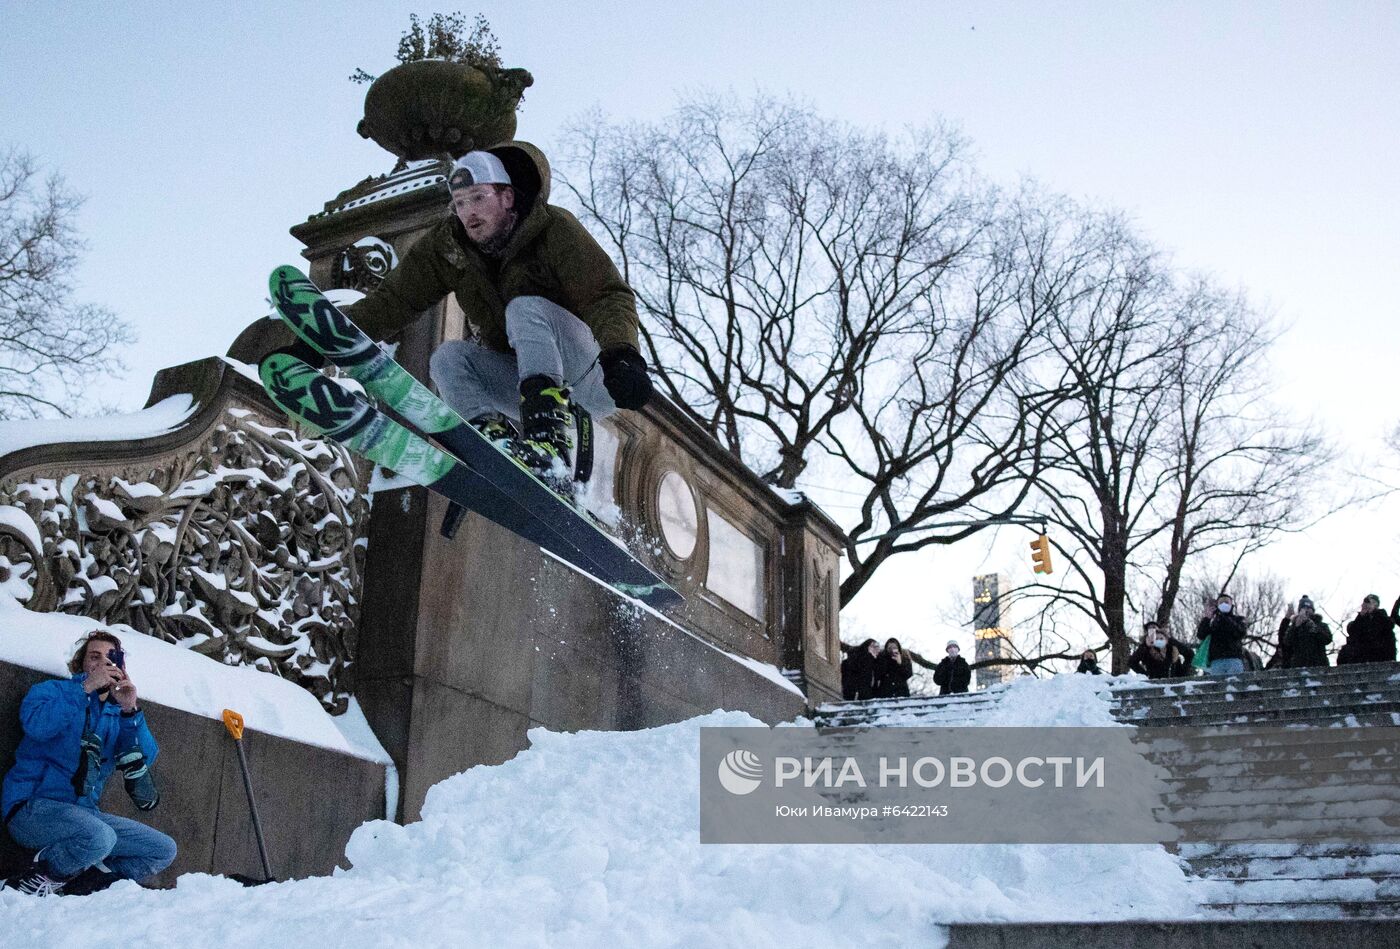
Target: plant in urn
448,95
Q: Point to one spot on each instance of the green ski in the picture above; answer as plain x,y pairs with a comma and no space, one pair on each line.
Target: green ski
485,479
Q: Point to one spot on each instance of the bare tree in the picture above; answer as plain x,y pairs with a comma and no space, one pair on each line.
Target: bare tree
50,347
1242,472
1383,472
1167,450
814,294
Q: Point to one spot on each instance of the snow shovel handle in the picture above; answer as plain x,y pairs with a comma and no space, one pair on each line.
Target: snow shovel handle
234,723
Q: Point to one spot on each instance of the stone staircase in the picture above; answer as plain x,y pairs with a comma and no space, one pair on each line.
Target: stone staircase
1302,823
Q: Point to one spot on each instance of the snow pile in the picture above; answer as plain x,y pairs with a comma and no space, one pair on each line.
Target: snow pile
591,839
1081,701
164,416
1078,701
177,677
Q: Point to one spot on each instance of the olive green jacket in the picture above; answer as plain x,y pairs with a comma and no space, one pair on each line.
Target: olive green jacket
549,255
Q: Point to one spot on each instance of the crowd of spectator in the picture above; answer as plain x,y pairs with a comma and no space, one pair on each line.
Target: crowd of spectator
1220,649
1221,635
870,672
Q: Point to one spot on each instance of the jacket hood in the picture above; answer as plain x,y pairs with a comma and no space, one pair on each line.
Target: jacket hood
528,170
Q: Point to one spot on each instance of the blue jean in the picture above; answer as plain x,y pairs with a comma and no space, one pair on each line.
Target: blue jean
548,341
70,839
1225,667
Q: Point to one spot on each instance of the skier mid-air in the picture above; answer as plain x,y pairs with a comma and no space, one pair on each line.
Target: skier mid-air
555,322
555,329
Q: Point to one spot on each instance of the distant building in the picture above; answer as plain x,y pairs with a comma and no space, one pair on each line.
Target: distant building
992,628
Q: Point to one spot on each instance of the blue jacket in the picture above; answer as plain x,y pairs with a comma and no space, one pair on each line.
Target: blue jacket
54,715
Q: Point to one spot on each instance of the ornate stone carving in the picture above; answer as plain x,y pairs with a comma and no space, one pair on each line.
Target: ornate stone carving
364,264
246,548
822,591
821,596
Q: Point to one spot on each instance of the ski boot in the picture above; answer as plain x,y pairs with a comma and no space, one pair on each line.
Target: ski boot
547,443
500,431
583,443
497,429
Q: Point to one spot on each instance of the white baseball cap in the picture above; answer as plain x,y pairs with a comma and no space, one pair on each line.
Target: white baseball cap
477,168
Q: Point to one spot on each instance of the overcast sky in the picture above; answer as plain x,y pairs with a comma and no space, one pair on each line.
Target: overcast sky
1258,141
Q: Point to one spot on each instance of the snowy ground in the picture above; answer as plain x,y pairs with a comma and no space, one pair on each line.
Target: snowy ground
591,839
587,839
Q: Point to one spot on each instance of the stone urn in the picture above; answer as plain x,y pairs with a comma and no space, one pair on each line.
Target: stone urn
431,107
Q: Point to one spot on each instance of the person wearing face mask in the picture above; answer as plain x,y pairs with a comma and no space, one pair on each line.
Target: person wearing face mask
953,674
1225,630
1305,641
1089,664
1370,637
1159,656
893,670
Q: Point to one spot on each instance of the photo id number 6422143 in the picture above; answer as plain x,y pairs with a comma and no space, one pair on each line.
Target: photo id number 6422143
916,810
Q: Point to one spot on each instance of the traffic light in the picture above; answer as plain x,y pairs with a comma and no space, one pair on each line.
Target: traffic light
1040,554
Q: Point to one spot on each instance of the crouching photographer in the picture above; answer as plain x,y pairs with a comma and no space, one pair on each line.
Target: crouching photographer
77,732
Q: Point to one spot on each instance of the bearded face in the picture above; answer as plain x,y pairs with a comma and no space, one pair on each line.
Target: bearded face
487,213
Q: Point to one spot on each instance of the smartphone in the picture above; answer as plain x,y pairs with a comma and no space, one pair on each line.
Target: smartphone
118,658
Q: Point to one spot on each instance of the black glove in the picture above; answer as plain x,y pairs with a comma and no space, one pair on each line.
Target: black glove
625,377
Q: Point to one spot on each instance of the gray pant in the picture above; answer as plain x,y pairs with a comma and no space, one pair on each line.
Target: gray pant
548,341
